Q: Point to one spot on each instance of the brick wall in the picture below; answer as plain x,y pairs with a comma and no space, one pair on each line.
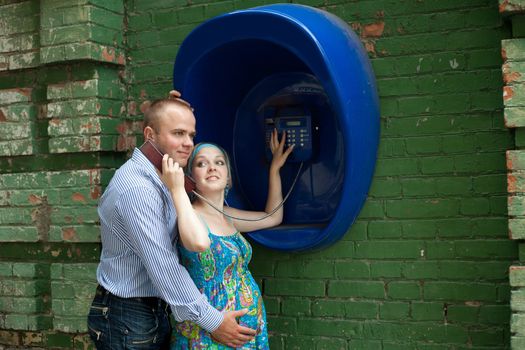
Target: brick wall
514,113
64,125
424,267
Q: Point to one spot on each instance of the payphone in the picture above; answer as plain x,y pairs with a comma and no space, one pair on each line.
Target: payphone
294,68
296,123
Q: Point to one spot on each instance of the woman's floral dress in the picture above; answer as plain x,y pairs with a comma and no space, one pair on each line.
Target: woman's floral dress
221,273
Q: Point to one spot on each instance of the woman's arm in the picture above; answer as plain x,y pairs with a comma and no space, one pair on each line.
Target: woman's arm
275,195
193,233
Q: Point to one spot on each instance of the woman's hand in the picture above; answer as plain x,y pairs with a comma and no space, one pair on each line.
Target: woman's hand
175,95
277,148
172,173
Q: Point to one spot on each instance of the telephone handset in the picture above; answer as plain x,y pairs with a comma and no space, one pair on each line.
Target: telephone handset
154,155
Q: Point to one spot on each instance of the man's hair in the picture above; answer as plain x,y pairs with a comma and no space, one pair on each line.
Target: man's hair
155,110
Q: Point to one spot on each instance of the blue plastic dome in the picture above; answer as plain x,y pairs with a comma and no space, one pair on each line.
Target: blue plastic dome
230,62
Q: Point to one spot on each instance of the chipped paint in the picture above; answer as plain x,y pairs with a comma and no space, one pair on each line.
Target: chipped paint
418,67
511,183
125,143
510,6
123,128
35,199
508,92
41,218
373,30
510,159
510,77
69,234
95,192
108,54
78,197
370,47
9,96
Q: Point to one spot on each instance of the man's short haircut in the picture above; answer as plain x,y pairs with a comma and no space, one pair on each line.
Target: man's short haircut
154,111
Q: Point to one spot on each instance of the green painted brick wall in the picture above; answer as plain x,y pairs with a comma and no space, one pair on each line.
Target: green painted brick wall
425,266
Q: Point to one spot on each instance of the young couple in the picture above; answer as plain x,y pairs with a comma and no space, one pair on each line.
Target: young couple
160,251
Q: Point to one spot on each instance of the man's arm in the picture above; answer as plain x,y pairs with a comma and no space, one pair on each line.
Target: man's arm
143,209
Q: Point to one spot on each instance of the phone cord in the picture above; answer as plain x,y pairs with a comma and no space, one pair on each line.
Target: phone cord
262,217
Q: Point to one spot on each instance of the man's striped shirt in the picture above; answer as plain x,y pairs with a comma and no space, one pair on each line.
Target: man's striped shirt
139,257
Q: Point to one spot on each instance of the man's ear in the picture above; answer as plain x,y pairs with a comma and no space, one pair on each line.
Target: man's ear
149,133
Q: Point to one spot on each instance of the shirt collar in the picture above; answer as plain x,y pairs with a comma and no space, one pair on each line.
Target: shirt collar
141,159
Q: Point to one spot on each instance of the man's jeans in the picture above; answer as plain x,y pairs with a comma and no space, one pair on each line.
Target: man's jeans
116,323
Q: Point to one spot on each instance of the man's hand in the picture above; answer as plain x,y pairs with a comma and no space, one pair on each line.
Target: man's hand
230,333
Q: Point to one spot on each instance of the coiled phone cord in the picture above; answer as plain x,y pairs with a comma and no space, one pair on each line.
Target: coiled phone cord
262,217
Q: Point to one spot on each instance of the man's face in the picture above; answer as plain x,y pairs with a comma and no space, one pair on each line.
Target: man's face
176,130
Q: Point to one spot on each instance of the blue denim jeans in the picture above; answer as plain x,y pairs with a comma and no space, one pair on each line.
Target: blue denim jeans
116,323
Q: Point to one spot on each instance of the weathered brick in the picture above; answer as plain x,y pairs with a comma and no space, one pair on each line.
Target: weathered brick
71,324
27,322
352,270
82,89
494,314
341,328
512,49
404,290
363,289
59,340
294,287
517,323
517,276
386,187
428,311
16,131
77,233
385,269
394,311
10,96
514,95
518,300
295,306
82,144
30,270
84,107
389,249
459,291
420,269
70,307
18,233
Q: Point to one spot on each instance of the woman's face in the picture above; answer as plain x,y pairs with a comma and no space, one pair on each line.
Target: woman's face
209,170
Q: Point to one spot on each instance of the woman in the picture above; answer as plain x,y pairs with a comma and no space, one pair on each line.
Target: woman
211,246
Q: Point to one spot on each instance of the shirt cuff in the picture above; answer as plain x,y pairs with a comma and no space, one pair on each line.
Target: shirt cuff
211,320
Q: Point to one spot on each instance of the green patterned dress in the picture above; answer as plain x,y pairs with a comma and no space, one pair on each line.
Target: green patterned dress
221,273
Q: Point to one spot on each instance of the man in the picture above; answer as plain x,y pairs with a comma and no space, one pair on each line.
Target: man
139,273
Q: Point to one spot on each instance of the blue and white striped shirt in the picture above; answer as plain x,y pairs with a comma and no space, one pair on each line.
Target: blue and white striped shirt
139,259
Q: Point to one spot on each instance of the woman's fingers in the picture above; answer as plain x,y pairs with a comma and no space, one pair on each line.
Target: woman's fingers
273,140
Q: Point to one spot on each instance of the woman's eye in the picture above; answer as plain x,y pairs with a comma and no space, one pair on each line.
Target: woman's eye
201,164
220,162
